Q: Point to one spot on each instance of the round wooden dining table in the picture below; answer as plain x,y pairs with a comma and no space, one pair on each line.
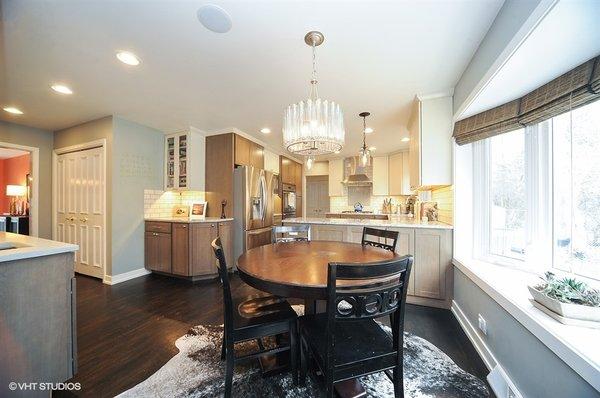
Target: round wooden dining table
299,269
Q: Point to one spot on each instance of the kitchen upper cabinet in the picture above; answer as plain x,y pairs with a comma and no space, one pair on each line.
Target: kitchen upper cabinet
271,161
430,148
298,178
399,174
184,161
433,262
248,153
336,176
380,175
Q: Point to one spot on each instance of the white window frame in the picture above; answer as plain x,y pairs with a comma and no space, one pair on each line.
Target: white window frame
538,178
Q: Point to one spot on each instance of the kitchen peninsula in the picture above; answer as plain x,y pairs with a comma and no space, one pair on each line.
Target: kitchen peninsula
430,243
37,315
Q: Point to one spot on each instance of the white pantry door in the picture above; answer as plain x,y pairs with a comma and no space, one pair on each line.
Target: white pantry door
80,207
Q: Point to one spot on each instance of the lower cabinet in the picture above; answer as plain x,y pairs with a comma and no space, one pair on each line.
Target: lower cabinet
430,280
184,249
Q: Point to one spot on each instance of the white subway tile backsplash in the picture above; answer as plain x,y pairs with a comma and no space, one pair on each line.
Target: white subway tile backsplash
160,203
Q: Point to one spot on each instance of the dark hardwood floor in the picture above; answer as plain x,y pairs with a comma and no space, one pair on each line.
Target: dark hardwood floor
126,332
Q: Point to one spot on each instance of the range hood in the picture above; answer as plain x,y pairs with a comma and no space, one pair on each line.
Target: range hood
355,175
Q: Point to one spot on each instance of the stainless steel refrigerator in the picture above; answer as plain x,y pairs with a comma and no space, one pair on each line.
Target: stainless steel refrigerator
253,191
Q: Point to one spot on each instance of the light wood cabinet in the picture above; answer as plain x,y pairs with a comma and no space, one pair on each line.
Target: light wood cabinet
406,246
380,175
399,174
184,161
225,232
354,234
329,232
433,262
287,171
430,148
248,153
298,177
336,176
271,161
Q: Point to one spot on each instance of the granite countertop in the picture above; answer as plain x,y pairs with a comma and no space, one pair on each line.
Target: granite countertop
187,220
19,247
394,221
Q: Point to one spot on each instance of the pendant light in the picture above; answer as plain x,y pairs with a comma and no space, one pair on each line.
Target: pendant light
309,162
315,126
364,153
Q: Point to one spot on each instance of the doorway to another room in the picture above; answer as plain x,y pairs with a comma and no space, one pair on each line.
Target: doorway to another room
18,195
317,196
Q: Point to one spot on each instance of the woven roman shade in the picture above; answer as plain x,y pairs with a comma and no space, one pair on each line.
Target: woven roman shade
573,89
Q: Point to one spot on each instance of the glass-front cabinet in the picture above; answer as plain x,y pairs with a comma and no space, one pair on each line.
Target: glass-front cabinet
184,161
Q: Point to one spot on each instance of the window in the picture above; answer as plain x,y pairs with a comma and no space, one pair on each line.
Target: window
537,195
576,187
507,195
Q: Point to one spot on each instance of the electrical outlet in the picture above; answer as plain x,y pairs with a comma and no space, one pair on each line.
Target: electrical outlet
482,324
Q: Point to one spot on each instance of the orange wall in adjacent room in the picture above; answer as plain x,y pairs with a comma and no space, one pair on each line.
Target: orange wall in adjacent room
13,171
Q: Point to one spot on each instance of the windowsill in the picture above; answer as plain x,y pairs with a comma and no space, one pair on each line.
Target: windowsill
577,346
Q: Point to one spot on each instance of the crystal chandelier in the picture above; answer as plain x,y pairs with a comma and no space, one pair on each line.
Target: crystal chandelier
315,126
364,153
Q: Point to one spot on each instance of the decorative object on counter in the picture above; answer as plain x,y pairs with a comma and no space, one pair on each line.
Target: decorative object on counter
198,210
429,210
410,204
223,204
386,207
364,152
358,207
315,126
181,211
568,300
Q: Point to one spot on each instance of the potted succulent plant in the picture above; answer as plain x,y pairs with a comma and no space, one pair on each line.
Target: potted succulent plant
567,297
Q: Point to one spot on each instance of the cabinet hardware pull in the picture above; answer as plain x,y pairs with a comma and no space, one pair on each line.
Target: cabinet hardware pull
83,219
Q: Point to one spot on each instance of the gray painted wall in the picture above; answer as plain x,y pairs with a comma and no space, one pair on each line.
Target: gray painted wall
42,139
535,370
513,15
138,153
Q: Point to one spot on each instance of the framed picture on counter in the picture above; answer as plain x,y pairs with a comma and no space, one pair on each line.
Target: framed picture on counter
198,210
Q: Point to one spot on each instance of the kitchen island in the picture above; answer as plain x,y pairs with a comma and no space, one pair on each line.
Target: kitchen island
430,243
37,312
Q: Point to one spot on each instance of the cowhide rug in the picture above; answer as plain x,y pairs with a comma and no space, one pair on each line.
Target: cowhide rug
197,371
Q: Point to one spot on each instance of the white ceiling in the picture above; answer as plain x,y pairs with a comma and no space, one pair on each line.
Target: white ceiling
568,36
376,57
7,153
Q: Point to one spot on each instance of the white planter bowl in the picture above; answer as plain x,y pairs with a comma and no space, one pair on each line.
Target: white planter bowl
574,311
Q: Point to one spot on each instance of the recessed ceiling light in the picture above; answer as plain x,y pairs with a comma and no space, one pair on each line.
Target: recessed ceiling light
265,130
13,110
372,148
128,58
214,18
369,130
405,139
61,88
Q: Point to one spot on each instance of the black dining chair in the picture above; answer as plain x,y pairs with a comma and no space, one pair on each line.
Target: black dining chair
290,233
346,342
380,238
253,318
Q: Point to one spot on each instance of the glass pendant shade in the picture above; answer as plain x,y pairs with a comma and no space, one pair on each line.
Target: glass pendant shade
365,156
315,126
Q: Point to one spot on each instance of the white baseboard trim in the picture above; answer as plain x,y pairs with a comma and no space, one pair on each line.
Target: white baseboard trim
125,276
482,349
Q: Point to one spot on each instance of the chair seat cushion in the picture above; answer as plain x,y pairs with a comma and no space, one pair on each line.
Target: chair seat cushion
258,310
355,341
